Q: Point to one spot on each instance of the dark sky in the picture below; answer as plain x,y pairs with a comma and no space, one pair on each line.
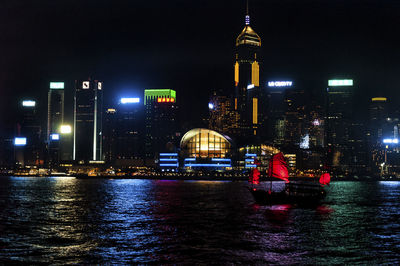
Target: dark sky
188,45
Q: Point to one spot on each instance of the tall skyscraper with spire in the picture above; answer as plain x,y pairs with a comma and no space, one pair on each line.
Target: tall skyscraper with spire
247,80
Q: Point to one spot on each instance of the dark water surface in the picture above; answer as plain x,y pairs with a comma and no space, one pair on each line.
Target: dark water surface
69,221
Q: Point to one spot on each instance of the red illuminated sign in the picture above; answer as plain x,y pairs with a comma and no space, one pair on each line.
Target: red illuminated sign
165,100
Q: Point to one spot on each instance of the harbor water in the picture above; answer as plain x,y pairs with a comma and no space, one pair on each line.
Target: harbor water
63,220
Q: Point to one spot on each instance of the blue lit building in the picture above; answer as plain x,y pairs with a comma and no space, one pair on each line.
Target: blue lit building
168,162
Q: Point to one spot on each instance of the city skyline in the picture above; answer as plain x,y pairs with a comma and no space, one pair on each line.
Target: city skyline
136,52
180,132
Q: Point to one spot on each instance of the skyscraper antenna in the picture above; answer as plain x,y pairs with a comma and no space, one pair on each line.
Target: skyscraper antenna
247,18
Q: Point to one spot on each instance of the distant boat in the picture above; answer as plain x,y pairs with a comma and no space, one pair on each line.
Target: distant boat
295,192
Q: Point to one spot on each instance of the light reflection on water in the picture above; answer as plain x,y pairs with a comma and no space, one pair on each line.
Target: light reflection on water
70,221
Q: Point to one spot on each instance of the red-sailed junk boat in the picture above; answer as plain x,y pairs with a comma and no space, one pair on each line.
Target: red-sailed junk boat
295,192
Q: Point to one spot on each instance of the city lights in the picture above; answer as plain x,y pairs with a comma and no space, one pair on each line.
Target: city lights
305,142
316,122
379,99
19,141
85,85
150,94
129,100
280,83
340,82
391,141
165,100
28,103
65,129
55,136
56,85
207,165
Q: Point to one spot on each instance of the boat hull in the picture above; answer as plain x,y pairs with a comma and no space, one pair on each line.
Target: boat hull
291,195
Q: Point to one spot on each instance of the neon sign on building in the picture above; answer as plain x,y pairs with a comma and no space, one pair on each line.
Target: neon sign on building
165,100
340,82
280,83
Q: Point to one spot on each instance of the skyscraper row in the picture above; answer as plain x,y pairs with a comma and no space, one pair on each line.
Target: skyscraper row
315,129
136,128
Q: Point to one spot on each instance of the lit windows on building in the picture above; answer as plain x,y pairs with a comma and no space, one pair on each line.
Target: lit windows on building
205,143
203,148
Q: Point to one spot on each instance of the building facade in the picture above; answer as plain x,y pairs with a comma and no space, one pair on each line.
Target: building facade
55,118
88,104
161,131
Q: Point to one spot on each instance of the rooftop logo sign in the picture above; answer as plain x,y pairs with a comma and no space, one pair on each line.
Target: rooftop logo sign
340,82
280,83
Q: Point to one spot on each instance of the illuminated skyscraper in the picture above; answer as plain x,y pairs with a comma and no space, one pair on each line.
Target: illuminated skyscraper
88,103
278,105
161,121
339,123
247,80
124,133
55,108
29,128
129,148
381,127
378,114
55,118
110,135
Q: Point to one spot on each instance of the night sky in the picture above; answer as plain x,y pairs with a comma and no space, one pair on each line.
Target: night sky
188,46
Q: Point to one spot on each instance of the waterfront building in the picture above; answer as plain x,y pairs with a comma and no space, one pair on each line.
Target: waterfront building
205,149
110,135
345,137
161,131
276,111
129,145
29,145
88,103
6,152
55,118
385,151
378,114
245,157
55,108
168,162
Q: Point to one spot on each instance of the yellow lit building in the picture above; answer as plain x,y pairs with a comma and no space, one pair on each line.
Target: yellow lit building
205,148
247,80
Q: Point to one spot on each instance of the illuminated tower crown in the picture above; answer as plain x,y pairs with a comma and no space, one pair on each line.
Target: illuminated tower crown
248,35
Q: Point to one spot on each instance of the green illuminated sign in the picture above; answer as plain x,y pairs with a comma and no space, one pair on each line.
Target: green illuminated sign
155,93
340,82
57,85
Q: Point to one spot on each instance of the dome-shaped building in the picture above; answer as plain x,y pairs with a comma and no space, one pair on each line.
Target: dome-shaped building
206,148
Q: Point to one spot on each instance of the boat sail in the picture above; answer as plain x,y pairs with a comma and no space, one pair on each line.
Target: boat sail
278,167
325,179
296,192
